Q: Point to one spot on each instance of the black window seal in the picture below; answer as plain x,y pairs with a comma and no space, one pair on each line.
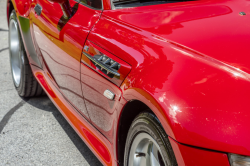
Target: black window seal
78,1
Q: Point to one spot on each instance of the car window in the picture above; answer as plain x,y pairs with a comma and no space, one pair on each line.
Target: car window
97,4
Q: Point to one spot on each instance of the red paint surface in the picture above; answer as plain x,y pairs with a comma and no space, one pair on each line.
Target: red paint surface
99,147
60,43
190,69
95,141
95,50
101,110
190,156
48,89
22,7
188,62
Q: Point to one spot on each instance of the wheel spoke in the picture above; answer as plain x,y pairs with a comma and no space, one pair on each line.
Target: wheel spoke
152,155
145,152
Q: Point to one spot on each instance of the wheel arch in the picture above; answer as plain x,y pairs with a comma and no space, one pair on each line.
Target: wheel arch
10,7
132,109
138,101
22,7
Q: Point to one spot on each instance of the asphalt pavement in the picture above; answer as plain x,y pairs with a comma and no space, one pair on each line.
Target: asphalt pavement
32,131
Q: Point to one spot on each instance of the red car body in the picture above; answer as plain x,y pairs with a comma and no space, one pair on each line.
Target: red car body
185,61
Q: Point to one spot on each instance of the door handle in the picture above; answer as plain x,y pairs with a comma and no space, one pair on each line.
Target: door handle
38,9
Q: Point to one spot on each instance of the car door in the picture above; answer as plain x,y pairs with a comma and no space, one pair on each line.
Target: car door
60,40
101,75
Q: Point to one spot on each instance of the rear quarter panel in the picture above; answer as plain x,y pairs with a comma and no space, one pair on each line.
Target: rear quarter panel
22,7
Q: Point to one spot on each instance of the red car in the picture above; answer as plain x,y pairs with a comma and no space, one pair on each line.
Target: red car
143,82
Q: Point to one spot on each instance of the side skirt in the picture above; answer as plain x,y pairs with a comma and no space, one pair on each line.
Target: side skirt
99,145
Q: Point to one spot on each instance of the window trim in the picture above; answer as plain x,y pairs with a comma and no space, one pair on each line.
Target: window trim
78,1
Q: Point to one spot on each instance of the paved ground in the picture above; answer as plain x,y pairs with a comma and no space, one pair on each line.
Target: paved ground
33,132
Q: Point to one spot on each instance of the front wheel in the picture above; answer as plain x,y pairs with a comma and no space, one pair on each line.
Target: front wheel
147,143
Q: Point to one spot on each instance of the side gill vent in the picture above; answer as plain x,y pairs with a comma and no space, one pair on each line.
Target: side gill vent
110,63
107,65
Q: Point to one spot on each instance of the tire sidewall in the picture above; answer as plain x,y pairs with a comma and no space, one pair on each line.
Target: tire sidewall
143,125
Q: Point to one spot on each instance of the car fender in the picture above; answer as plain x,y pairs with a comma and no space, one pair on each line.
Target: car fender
199,100
22,7
143,96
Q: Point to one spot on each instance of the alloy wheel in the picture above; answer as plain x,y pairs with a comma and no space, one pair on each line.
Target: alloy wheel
16,52
145,151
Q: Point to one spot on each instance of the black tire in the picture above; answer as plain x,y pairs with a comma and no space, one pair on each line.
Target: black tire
149,124
28,85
